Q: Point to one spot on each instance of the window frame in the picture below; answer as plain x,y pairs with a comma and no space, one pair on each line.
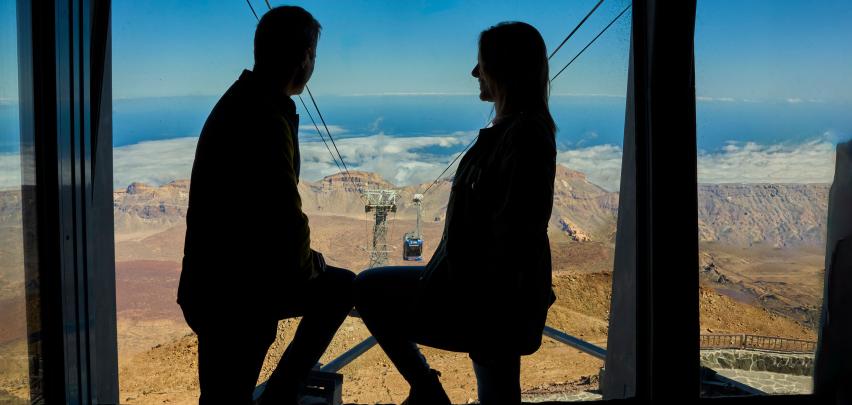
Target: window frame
64,60
64,50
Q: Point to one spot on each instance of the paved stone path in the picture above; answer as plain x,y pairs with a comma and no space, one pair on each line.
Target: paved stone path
771,383
572,396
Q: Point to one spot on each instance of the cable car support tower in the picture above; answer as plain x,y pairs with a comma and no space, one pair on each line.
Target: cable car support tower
380,203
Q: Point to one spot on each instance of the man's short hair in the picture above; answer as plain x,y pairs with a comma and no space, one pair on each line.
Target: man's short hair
283,37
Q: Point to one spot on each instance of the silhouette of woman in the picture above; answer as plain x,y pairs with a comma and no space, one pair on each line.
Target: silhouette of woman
487,288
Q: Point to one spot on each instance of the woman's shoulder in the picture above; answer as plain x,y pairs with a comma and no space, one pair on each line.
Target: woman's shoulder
531,127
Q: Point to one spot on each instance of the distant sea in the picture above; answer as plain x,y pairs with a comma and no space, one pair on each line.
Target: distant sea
583,121
410,139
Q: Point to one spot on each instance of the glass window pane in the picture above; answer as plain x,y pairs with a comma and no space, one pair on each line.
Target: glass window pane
773,100
394,86
14,379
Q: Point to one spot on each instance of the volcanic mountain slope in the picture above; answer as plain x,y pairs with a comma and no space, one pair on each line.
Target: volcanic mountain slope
141,210
150,223
741,261
580,207
582,230
778,215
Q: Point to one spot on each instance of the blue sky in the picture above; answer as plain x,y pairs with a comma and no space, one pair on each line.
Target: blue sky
772,79
777,50
366,46
781,49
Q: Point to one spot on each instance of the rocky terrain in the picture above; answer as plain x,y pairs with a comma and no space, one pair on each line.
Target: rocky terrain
761,273
777,215
166,372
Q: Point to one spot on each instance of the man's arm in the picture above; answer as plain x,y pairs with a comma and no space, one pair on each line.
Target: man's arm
288,227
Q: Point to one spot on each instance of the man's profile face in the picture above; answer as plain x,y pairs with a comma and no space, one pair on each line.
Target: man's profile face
303,74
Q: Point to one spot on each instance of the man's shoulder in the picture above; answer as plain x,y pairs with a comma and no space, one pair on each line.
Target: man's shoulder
237,102
238,108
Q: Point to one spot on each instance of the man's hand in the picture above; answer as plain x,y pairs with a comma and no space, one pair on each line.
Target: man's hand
319,261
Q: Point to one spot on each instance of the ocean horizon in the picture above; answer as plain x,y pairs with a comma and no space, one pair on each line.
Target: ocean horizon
410,138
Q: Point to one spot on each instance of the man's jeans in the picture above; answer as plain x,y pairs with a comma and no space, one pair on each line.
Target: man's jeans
231,352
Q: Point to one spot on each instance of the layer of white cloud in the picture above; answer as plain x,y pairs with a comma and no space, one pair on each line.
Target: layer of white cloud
412,160
738,162
411,93
722,99
586,95
749,162
789,100
154,162
311,130
600,163
400,160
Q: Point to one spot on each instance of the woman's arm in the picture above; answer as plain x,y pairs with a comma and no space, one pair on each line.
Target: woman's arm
521,214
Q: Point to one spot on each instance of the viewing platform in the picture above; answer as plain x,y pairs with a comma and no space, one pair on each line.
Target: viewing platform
731,365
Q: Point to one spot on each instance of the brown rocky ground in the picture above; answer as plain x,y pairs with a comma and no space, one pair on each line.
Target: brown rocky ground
13,372
158,352
167,372
785,281
760,273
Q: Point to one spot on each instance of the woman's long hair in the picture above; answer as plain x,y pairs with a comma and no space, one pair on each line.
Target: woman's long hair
513,56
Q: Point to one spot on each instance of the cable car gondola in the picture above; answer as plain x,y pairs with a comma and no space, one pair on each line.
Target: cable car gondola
412,248
412,242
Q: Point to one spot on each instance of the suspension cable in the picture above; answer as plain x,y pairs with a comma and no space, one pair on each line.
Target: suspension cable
330,137
320,134
459,155
334,144
252,10
571,34
590,43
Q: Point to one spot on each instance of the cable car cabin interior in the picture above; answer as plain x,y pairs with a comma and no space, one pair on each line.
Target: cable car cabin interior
93,209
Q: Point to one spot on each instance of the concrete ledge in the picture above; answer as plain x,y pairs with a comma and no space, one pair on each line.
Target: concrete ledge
758,360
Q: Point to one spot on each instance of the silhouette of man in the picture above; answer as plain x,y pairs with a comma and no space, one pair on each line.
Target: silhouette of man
247,259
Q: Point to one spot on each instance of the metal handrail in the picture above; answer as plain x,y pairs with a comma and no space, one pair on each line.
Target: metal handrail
591,349
745,341
574,342
333,366
350,355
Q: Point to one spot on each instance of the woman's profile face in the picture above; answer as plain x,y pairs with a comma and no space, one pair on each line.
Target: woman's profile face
485,93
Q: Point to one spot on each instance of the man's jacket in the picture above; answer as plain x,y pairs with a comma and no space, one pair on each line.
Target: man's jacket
492,267
247,239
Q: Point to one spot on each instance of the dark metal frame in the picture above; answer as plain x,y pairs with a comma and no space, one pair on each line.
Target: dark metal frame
65,97
66,146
